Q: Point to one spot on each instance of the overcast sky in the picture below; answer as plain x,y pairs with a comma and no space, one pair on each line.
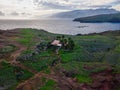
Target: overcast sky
35,8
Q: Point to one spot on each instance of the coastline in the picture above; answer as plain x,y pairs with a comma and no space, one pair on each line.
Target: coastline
79,34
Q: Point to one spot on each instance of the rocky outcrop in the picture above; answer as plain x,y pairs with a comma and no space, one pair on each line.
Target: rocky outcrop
39,49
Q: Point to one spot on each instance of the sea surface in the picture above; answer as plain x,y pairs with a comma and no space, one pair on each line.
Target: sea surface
60,26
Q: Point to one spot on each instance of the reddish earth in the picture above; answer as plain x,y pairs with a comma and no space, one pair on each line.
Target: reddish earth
9,37
104,80
62,82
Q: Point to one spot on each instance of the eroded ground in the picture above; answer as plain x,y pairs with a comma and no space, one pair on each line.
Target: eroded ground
92,65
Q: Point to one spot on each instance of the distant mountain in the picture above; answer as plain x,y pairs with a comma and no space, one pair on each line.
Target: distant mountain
83,13
100,18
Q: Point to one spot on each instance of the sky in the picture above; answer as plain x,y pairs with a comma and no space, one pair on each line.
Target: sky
26,9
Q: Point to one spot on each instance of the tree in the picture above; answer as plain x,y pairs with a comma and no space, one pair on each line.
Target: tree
71,44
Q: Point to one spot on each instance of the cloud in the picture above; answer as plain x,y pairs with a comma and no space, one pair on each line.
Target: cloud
25,14
100,6
14,14
51,5
74,4
115,3
117,7
29,8
2,14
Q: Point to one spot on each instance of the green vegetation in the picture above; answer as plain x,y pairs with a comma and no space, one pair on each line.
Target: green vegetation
7,49
27,52
83,79
41,61
47,71
82,70
91,54
118,48
8,78
26,37
49,85
96,51
100,18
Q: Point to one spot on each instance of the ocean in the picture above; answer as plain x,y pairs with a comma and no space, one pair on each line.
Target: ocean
60,26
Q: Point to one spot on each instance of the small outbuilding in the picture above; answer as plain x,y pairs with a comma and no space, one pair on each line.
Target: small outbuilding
57,44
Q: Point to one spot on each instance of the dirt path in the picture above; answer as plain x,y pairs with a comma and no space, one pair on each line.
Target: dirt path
63,82
35,82
14,56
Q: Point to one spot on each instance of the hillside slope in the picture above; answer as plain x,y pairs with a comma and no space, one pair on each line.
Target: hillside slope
83,13
93,64
100,18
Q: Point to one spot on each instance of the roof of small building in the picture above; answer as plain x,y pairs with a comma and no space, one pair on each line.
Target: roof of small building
55,42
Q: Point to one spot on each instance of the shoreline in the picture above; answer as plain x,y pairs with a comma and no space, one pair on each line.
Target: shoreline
79,34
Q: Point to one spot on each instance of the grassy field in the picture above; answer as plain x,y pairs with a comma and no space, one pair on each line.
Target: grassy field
91,50
102,49
92,53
